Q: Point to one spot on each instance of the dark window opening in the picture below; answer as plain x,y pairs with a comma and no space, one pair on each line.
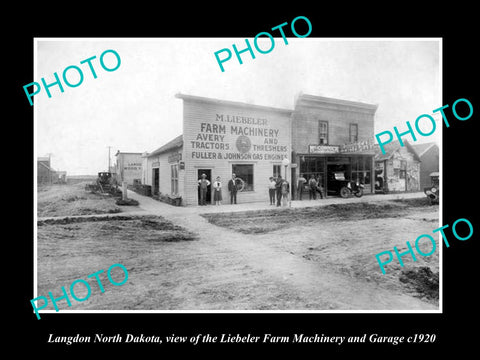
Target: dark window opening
245,172
323,133
353,133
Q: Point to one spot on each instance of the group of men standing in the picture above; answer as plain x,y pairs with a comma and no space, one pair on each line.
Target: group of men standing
204,183
278,189
314,186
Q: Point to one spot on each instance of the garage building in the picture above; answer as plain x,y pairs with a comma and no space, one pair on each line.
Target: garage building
333,136
318,137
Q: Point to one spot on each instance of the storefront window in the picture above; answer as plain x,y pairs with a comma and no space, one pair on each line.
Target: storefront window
245,172
354,164
361,169
313,166
367,170
277,170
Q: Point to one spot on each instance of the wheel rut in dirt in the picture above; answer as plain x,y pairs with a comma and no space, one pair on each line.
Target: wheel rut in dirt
319,289
309,280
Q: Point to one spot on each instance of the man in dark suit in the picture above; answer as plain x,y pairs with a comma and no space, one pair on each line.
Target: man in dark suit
278,187
232,187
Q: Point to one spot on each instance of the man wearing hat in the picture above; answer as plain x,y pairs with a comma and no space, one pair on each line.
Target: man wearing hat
203,184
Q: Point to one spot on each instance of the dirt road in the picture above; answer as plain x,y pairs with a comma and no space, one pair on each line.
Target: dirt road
234,271
254,258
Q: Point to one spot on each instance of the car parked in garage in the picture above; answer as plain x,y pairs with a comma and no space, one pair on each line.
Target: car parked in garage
337,184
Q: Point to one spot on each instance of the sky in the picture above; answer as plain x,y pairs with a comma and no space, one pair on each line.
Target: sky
134,108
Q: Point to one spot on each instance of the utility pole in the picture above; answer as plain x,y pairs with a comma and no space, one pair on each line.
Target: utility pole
109,147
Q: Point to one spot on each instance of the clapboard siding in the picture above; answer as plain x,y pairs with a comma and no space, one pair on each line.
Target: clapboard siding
197,112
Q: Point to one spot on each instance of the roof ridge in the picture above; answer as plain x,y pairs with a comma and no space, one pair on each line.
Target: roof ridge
172,144
429,145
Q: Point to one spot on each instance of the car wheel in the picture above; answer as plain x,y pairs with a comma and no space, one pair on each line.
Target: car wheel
345,192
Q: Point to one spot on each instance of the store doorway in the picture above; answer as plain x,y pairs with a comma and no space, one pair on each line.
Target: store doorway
208,173
155,181
380,177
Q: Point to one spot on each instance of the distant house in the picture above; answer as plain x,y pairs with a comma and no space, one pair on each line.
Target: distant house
61,177
45,174
128,167
398,169
430,161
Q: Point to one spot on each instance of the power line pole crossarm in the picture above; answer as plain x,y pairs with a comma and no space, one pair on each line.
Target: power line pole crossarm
109,147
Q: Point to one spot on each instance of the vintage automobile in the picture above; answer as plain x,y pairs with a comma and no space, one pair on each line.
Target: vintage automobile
337,184
433,191
104,184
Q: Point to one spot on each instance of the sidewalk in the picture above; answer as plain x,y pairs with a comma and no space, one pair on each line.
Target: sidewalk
151,205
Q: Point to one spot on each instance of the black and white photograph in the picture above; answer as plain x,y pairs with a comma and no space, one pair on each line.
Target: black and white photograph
227,181
260,187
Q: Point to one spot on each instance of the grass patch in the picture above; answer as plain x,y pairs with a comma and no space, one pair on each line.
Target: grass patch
264,221
423,281
150,228
73,200
127,202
